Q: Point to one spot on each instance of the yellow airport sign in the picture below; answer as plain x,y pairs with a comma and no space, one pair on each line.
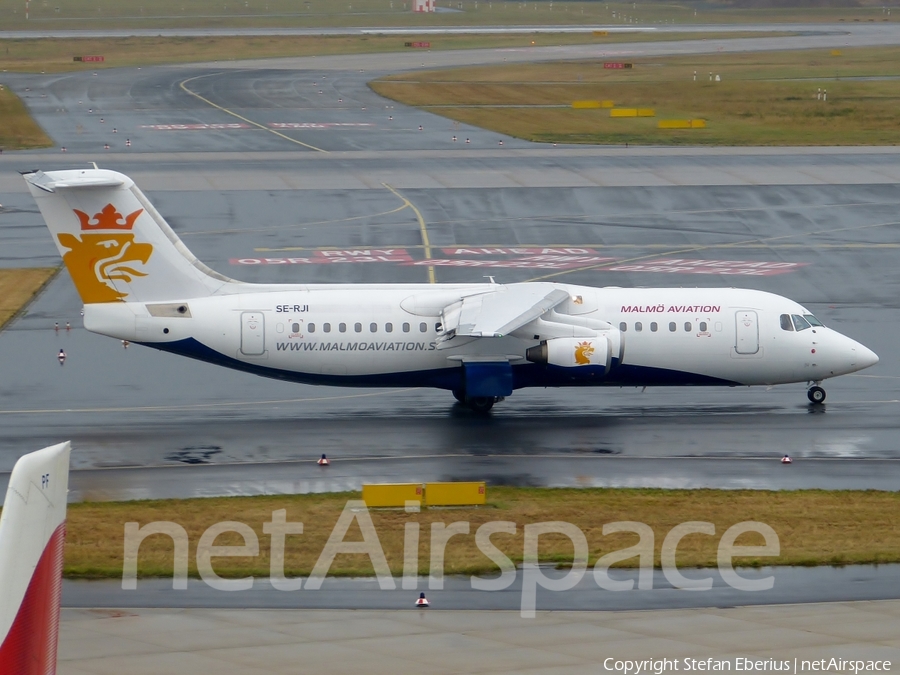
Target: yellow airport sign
681,124
391,494
455,494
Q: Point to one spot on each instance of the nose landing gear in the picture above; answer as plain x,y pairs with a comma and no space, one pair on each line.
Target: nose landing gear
816,394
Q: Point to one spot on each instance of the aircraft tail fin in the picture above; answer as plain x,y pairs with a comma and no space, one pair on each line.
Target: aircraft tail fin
115,244
32,533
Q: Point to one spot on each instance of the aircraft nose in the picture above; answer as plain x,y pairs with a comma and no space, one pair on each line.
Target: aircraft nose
857,356
864,357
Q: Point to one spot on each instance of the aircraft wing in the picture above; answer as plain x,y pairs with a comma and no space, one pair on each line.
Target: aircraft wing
499,312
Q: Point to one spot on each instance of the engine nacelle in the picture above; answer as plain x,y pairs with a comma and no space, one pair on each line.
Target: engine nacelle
574,352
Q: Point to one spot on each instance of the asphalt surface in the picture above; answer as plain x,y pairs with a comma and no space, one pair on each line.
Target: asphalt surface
790,585
262,170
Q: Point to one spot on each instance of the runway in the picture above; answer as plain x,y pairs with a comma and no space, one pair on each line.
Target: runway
790,585
267,179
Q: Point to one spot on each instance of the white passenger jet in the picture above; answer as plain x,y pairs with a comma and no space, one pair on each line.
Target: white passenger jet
32,533
140,283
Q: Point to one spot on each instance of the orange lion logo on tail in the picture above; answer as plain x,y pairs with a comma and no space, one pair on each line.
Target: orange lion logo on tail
105,253
583,353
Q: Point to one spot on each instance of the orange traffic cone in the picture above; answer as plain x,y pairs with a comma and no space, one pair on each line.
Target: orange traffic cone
324,461
786,459
422,601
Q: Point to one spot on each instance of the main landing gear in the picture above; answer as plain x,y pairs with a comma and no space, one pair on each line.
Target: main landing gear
479,404
816,394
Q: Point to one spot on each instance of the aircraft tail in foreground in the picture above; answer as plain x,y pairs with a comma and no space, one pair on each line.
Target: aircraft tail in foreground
32,534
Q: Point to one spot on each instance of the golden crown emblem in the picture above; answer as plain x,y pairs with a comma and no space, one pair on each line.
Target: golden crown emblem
108,219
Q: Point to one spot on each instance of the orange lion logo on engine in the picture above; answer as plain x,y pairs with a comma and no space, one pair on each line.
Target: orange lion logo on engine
583,353
105,253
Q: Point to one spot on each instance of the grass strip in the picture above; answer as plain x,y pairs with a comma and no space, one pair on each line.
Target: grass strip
110,14
53,55
18,287
814,528
18,130
761,99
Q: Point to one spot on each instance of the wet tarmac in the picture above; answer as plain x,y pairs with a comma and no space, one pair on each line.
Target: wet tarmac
790,585
303,173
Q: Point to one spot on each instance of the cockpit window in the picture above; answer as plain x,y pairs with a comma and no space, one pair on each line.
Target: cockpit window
786,323
799,322
813,321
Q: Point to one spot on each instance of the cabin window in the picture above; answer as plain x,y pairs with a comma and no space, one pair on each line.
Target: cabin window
295,327
342,327
326,327
405,327
800,323
654,326
786,323
638,326
703,326
672,327
437,327
389,327
373,327
311,327
357,327
623,326
687,326
423,327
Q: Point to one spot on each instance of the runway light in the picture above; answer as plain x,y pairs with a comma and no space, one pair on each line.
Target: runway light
323,461
422,601
61,357
786,459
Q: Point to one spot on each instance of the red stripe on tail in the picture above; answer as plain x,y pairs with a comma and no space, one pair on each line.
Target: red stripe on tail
30,645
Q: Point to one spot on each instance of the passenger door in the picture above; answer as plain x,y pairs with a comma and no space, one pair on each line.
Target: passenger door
746,332
253,333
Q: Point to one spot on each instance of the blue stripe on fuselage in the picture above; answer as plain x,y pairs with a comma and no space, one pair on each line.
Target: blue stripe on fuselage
524,375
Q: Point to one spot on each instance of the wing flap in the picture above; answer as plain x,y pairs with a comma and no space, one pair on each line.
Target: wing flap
501,311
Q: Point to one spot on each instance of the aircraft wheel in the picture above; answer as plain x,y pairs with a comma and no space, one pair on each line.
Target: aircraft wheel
816,395
480,404
459,395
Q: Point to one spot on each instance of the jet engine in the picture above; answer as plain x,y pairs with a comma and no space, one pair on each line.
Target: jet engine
575,352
